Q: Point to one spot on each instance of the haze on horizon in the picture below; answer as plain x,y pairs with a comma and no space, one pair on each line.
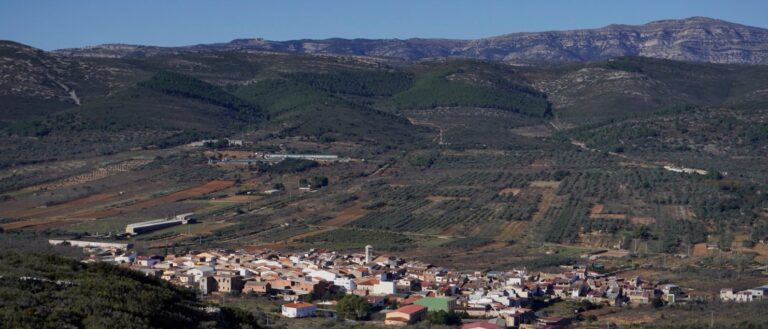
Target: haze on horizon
49,24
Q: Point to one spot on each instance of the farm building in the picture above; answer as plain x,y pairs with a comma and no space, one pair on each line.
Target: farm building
405,315
481,325
257,287
153,225
299,310
204,142
317,157
92,244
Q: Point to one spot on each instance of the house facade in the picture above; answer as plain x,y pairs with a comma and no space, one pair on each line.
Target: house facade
299,310
405,315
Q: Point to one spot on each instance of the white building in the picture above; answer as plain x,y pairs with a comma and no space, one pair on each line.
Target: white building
384,288
299,310
744,296
153,225
759,292
322,275
126,258
201,271
515,281
92,244
146,261
347,284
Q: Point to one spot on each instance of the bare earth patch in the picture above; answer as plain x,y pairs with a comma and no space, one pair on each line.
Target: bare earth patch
513,229
510,190
642,220
597,208
679,212
348,215
608,216
57,210
197,191
545,184
700,250
206,188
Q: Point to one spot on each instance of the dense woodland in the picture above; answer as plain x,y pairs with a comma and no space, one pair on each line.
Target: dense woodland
40,288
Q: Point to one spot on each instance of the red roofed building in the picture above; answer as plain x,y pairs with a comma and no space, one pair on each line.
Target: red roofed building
299,310
411,300
406,315
480,325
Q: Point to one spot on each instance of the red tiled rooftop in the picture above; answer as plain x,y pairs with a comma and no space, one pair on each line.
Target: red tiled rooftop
299,305
411,309
412,299
481,324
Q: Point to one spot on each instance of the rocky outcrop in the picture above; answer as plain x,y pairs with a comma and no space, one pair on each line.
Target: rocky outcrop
30,73
693,39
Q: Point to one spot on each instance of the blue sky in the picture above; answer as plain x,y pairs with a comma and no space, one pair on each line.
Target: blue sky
52,24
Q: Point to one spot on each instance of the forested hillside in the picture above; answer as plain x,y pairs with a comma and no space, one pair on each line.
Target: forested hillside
49,291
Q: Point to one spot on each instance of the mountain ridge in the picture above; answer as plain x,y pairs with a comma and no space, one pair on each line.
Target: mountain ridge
698,39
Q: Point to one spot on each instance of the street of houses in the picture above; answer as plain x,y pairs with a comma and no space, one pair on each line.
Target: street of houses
405,290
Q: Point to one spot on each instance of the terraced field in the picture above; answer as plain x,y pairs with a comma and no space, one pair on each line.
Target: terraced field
97,174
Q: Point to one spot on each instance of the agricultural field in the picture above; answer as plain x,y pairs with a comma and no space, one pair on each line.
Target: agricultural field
357,239
444,200
458,162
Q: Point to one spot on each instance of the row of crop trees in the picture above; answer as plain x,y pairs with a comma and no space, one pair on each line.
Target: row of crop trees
678,132
708,197
495,179
407,208
714,202
345,239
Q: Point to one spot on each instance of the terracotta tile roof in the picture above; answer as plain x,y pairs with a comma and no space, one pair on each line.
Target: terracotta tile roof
480,325
367,282
411,309
412,299
299,305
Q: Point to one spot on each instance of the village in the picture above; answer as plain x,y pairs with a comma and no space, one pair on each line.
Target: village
405,291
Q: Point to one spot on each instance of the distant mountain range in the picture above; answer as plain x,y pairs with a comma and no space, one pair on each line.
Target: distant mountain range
697,39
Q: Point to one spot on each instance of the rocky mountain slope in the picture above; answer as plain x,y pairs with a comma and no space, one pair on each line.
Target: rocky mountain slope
35,82
693,39
174,98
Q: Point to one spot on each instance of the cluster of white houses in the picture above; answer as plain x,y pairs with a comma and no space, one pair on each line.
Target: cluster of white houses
744,296
405,290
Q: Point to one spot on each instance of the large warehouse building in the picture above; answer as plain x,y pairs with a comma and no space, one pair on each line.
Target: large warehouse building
153,225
